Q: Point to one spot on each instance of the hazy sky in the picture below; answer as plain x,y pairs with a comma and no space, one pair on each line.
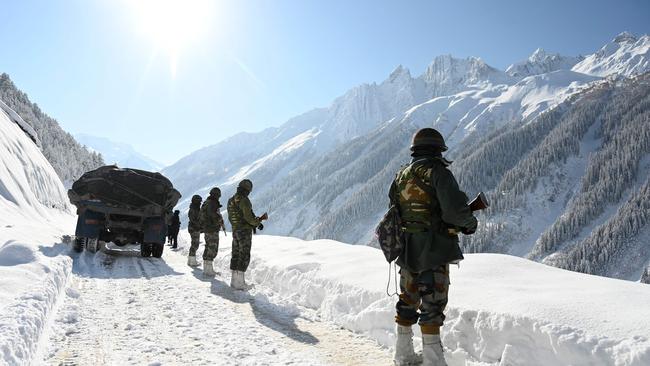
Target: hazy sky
172,76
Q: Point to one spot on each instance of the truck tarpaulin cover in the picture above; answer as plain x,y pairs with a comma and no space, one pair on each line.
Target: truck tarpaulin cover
127,188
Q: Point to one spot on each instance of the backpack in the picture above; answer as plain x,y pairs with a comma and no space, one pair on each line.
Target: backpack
390,234
390,230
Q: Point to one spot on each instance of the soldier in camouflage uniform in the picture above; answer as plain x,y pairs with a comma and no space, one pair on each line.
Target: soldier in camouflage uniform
211,223
433,211
194,227
243,222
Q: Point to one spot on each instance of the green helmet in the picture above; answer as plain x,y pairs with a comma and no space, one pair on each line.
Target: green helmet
246,185
215,192
197,198
428,137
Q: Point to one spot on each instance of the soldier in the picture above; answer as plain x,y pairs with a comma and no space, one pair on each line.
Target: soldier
175,228
243,222
194,227
211,223
433,211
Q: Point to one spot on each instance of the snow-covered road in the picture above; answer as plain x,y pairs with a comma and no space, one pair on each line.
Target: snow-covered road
122,309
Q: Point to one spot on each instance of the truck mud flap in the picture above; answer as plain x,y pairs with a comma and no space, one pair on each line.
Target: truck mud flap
89,224
155,230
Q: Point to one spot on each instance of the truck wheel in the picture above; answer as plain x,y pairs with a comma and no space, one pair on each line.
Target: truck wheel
158,250
145,250
79,244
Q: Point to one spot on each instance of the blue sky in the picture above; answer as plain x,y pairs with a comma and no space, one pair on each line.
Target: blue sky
247,65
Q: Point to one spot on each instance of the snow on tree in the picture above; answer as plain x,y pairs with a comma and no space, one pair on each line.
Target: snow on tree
68,158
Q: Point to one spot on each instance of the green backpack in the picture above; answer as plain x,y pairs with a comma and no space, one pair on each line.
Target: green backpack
390,234
410,209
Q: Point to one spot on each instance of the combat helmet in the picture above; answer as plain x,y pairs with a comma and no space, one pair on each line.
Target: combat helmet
246,185
215,192
428,137
197,198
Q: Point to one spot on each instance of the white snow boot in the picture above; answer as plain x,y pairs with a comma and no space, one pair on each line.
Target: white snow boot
238,282
234,279
404,353
432,353
208,270
242,282
191,261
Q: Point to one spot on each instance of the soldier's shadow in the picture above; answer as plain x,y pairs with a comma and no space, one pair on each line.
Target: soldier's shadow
278,318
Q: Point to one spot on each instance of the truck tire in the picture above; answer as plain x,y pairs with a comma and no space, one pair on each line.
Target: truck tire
157,250
145,250
78,244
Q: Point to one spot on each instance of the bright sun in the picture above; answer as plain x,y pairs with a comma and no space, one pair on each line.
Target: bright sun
172,24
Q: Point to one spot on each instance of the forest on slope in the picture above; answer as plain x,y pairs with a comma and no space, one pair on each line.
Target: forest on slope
68,158
584,168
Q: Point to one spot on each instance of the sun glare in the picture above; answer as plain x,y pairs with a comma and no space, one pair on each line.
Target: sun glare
172,25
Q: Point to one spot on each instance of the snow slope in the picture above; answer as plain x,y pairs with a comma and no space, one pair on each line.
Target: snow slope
119,153
33,214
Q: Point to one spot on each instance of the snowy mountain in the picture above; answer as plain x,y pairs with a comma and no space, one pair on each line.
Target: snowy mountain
120,153
625,55
325,174
273,153
68,158
541,62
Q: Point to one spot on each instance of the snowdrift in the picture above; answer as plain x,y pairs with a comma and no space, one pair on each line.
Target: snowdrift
503,310
33,214
29,187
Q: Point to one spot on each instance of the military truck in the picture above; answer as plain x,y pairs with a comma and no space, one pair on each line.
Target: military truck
122,206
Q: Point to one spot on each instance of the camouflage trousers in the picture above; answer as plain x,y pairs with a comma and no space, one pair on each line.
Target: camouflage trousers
423,299
196,238
211,246
241,250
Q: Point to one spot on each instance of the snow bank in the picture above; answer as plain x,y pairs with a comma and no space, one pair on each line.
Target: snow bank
34,213
32,276
29,130
29,186
503,310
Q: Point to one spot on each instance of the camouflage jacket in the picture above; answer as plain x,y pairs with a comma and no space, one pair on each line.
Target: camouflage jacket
210,217
430,203
194,216
240,213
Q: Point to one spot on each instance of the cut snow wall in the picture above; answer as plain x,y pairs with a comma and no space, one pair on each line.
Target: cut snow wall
29,130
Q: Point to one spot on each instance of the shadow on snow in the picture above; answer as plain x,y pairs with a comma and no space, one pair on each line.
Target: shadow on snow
278,318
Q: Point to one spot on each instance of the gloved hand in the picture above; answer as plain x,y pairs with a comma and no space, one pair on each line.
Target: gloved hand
260,227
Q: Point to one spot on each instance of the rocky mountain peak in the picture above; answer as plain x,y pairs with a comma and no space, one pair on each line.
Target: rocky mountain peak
541,62
538,55
625,37
400,73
